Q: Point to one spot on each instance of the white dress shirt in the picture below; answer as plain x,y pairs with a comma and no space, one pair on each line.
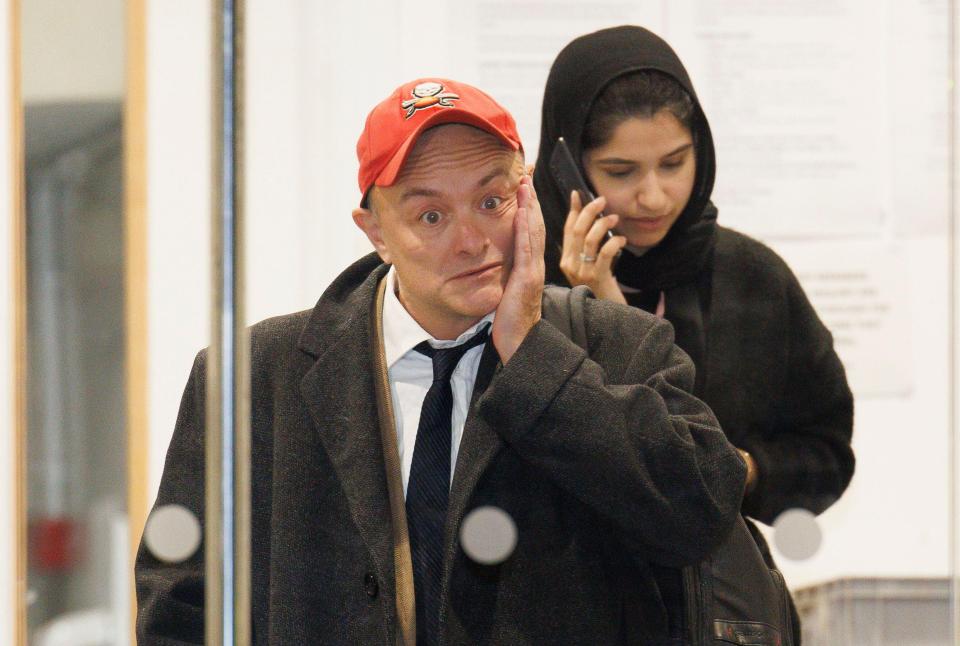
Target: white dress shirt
411,375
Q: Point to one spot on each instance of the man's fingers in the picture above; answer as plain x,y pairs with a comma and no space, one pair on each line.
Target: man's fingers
521,238
538,229
519,308
523,193
529,237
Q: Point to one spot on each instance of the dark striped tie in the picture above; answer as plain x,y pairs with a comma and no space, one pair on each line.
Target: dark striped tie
429,486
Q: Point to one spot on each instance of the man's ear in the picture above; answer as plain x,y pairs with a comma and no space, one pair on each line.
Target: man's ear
369,223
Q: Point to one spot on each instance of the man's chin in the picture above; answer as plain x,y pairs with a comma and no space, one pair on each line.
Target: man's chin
481,302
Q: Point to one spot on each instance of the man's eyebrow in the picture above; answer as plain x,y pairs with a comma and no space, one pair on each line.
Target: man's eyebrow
619,160
489,177
418,192
426,192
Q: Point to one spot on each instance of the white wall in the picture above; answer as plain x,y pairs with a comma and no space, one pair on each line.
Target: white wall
71,50
178,207
8,486
895,518
314,71
955,377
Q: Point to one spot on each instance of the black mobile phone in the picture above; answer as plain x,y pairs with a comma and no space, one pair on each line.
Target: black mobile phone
568,176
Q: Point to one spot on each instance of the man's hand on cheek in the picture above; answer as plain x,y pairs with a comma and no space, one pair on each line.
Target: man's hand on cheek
519,309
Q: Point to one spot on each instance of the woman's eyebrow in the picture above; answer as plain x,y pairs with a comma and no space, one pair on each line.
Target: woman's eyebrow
616,160
679,149
622,161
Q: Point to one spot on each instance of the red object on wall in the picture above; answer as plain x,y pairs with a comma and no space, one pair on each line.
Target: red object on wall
54,543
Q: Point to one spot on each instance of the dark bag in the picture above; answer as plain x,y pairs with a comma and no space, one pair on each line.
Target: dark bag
730,597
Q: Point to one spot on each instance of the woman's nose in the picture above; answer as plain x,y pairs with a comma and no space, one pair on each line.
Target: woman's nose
651,197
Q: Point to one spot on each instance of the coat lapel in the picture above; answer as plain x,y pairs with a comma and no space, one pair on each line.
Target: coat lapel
402,561
338,390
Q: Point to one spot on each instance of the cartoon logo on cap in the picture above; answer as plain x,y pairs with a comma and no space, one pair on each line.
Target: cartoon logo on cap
428,95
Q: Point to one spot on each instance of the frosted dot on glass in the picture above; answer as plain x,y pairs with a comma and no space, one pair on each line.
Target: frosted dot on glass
796,534
488,535
172,533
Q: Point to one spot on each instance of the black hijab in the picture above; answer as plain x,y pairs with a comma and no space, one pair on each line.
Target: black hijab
579,74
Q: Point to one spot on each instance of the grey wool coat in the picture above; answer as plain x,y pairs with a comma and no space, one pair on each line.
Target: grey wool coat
604,461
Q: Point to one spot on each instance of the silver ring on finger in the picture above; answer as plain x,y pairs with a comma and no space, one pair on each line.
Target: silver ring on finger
585,258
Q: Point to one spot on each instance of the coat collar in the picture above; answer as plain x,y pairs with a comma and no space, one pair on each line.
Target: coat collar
344,307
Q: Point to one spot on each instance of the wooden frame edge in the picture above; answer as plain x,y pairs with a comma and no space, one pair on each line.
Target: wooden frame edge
135,279
135,301
19,259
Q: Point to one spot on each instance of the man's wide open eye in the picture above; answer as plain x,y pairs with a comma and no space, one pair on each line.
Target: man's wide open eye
490,203
430,217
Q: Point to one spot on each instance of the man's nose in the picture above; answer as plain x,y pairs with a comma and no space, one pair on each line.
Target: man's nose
471,238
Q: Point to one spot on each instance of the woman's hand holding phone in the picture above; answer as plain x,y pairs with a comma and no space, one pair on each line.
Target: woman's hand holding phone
588,255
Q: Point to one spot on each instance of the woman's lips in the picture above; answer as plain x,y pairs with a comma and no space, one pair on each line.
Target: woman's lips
651,224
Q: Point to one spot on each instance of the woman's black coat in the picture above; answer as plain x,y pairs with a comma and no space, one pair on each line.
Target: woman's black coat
765,363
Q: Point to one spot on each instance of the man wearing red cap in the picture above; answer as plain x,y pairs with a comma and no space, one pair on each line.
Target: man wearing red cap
435,378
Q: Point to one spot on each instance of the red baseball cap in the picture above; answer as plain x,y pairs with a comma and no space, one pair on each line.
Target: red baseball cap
395,123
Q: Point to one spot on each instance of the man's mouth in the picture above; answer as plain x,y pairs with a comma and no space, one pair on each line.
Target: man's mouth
479,272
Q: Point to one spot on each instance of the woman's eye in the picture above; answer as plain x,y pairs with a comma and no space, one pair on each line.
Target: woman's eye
491,203
619,173
672,164
430,217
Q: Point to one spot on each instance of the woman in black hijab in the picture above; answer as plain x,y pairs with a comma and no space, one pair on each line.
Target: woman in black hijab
623,102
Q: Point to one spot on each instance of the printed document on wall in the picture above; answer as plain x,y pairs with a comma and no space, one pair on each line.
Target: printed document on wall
512,43
859,290
794,91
